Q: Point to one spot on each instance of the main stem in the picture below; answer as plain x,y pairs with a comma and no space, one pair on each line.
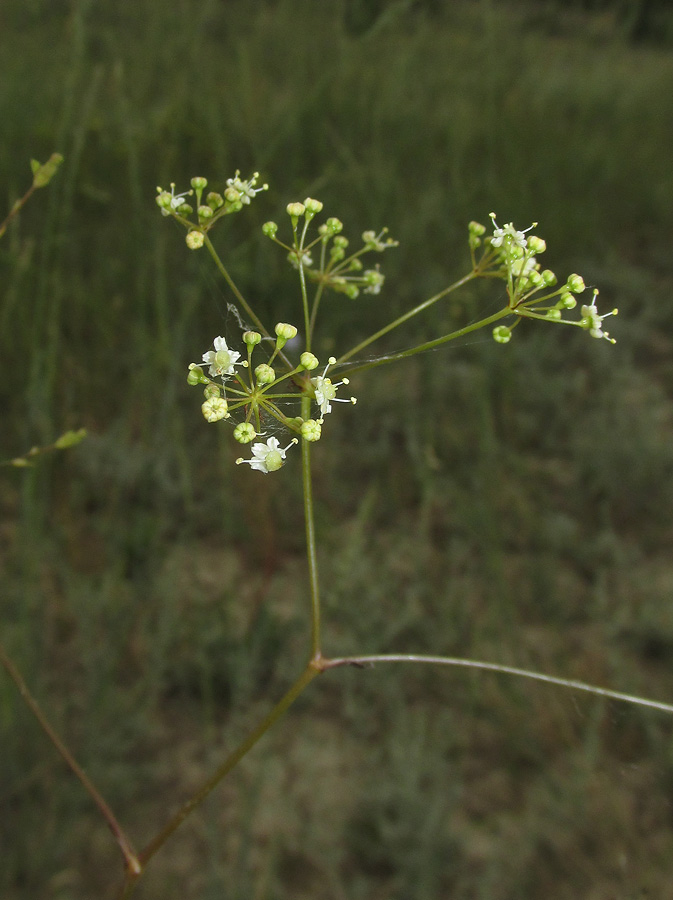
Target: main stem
313,668
234,757
311,548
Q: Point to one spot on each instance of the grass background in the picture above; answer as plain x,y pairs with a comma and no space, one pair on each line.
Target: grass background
511,504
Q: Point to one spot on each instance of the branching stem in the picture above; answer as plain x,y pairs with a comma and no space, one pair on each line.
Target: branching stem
130,857
364,661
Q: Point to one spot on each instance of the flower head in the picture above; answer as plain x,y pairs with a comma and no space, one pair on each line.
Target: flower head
221,360
243,191
508,237
171,202
593,323
268,457
325,391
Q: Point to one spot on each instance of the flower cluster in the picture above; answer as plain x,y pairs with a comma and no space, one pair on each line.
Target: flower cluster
333,267
533,292
258,396
260,393
209,209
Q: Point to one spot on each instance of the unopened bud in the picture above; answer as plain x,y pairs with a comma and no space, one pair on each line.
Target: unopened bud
244,433
284,333
195,375
308,361
214,200
502,334
311,430
195,240
295,210
214,409
265,374
312,207
576,284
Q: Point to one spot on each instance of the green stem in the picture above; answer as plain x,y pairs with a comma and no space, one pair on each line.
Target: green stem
234,757
363,661
311,549
408,315
430,345
131,858
314,311
239,296
304,301
16,208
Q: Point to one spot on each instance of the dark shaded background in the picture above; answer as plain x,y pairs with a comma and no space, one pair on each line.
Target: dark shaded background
506,503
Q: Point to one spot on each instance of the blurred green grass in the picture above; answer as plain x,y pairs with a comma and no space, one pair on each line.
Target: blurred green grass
511,503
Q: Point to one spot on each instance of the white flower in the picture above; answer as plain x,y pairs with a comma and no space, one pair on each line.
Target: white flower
246,190
267,457
221,360
171,201
593,323
325,390
508,235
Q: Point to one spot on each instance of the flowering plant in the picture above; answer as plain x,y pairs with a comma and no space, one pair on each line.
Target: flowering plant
273,390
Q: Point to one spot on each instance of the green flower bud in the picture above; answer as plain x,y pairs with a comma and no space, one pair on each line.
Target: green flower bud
265,374
244,433
214,200
548,278
308,361
198,183
536,245
195,375
211,390
70,439
334,225
195,240
295,210
163,200
341,241
270,229
43,173
251,338
476,228
311,430
554,314
575,284
285,333
567,301
205,213
502,334
312,207
352,291
214,409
